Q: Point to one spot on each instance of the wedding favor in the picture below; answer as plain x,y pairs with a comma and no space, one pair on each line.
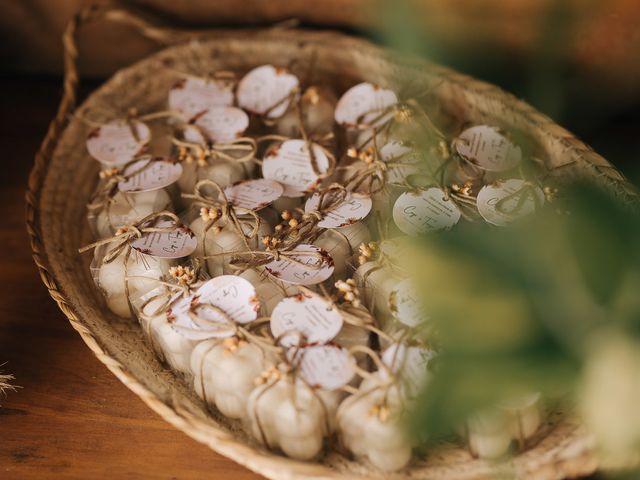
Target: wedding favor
294,413
369,425
289,415
129,264
210,312
131,193
227,221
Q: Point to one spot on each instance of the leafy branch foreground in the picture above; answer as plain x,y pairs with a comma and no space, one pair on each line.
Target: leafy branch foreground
550,304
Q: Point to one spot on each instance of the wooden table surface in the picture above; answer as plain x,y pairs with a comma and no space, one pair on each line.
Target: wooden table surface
71,418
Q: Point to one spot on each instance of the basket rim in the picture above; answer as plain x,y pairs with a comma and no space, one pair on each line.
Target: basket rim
266,463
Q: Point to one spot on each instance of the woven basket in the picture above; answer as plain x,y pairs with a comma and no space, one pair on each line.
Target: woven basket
63,179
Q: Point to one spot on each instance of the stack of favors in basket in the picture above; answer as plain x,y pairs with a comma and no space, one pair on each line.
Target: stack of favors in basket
257,228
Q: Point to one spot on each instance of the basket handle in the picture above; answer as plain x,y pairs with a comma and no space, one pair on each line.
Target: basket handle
162,35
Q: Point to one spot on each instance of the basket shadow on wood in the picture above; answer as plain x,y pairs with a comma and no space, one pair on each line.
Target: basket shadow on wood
64,179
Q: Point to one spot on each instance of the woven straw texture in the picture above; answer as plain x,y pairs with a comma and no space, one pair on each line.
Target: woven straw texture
64,177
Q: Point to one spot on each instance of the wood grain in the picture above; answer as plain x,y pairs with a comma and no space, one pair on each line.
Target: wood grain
72,419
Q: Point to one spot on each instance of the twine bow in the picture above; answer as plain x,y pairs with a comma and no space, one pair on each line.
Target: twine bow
294,231
182,282
310,141
375,174
526,192
257,258
104,196
244,149
127,233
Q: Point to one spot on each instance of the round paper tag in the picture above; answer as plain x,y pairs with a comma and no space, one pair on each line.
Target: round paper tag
234,295
181,242
349,211
405,305
325,366
115,143
410,363
308,315
218,125
153,174
191,96
396,152
308,269
290,164
509,210
264,90
254,194
212,324
364,104
424,211
488,148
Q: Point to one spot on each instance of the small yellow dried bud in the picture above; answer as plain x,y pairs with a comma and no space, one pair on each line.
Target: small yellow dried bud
121,231
366,250
266,240
367,155
403,113
230,341
293,223
217,229
286,215
272,373
311,95
279,227
550,193
353,152
383,414
208,214
362,260
109,172
380,411
182,274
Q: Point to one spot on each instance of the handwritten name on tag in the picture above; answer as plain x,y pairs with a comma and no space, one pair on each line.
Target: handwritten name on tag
424,211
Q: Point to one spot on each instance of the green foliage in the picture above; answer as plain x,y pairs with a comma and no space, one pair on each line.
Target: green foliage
514,308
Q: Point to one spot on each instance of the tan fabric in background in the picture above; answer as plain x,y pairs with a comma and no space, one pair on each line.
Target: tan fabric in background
604,43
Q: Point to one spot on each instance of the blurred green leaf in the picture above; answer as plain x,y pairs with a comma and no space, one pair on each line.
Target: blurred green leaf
514,307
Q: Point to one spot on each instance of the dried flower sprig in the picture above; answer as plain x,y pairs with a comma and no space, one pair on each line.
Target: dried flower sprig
349,291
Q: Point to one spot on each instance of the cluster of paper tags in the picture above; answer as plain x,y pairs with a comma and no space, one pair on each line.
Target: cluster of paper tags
219,112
